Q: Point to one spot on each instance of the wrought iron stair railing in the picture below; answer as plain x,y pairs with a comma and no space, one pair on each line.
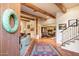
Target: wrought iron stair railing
70,34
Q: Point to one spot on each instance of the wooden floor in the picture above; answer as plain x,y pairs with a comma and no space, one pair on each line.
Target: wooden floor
62,52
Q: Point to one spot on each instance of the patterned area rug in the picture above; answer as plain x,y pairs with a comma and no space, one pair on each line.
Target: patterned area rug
42,49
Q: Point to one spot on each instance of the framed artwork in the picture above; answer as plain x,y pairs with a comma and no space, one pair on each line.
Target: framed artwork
62,26
32,29
28,26
73,22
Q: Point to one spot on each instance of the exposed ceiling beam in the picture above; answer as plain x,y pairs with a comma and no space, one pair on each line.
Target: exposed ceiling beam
27,17
61,7
35,8
25,20
26,13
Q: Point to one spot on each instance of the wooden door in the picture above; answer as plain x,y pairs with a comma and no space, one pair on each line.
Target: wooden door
9,43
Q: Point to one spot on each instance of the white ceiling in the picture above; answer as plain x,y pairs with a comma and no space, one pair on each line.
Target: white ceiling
26,9
70,5
49,7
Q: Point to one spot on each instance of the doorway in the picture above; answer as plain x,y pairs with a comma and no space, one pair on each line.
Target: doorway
48,31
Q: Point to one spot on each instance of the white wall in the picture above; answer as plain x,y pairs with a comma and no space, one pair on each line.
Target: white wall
72,13
63,18
24,28
49,22
39,28
33,25
58,32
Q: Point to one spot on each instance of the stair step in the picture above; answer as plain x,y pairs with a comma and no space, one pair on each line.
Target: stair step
73,41
63,45
76,39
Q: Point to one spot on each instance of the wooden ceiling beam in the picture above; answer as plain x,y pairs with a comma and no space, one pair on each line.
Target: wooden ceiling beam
25,20
26,13
35,8
27,17
61,7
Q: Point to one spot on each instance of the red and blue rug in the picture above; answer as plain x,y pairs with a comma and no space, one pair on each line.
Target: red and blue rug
43,49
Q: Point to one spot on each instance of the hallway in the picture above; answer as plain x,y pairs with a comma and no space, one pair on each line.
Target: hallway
48,47
43,49
39,29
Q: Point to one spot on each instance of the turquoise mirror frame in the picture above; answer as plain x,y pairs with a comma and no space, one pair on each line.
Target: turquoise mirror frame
6,20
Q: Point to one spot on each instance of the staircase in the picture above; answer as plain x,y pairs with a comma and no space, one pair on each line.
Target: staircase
70,38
